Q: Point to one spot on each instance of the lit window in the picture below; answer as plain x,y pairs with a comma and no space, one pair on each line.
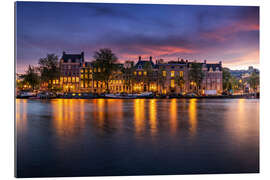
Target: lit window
81,70
86,85
81,76
90,76
164,73
172,73
95,69
73,79
53,81
90,70
140,73
145,73
69,79
65,79
56,81
82,84
86,76
99,69
135,73
86,70
77,79
181,73
172,83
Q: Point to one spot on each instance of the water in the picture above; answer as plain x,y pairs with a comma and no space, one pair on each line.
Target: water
76,137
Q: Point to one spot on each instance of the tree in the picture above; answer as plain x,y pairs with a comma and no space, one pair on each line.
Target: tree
105,64
180,81
31,77
49,69
226,79
254,81
196,75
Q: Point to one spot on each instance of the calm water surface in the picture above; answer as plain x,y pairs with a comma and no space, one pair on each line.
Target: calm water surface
76,137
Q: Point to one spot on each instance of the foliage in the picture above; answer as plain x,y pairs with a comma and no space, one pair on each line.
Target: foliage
226,79
105,65
254,81
49,69
31,77
196,74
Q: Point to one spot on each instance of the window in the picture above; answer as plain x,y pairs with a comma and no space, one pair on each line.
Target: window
81,70
172,73
86,70
65,79
164,73
135,73
69,79
172,83
145,73
81,76
181,73
73,79
140,73
77,79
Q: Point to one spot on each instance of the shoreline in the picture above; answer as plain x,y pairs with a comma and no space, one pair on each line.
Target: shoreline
172,97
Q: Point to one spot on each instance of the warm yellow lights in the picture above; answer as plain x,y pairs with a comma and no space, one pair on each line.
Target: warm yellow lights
172,73
145,73
172,83
140,73
135,73
181,73
164,73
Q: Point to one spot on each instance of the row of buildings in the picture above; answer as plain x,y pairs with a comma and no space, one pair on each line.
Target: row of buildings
142,76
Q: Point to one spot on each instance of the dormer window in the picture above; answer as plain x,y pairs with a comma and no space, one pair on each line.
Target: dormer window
140,66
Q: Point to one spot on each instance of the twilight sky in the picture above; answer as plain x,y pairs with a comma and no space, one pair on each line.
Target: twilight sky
216,33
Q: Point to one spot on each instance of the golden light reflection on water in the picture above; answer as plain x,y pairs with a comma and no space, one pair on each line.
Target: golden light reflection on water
173,116
153,116
21,114
139,115
242,120
68,116
193,116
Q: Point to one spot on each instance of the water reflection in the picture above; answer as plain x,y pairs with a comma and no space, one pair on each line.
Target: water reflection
139,115
193,115
153,116
173,116
21,114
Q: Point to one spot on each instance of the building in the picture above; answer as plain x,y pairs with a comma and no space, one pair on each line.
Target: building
161,77
70,65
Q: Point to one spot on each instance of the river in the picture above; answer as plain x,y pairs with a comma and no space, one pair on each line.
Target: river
94,137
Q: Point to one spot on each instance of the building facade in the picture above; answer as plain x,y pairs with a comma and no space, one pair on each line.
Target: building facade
161,77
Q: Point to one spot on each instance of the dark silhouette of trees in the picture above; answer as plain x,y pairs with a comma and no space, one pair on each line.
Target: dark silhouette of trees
49,69
31,77
105,64
196,75
254,81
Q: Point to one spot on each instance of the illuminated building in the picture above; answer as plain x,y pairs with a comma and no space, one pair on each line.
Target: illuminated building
70,65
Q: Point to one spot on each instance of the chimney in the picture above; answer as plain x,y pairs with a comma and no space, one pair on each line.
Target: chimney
140,58
204,61
82,54
64,53
156,61
220,62
150,58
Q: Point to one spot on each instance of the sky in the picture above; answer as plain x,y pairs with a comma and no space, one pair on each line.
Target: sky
214,33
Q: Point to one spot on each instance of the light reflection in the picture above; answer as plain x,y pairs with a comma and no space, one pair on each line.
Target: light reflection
153,116
21,114
173,116
193,115
139,116
65,119
100,109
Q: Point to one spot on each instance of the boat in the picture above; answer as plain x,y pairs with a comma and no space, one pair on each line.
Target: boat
145,95
121,96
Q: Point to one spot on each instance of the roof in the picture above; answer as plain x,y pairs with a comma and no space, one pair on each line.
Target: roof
143,64
73,57
214,67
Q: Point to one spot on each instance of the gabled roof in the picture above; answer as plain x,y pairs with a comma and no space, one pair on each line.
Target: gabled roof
214,67
73,57
143,64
